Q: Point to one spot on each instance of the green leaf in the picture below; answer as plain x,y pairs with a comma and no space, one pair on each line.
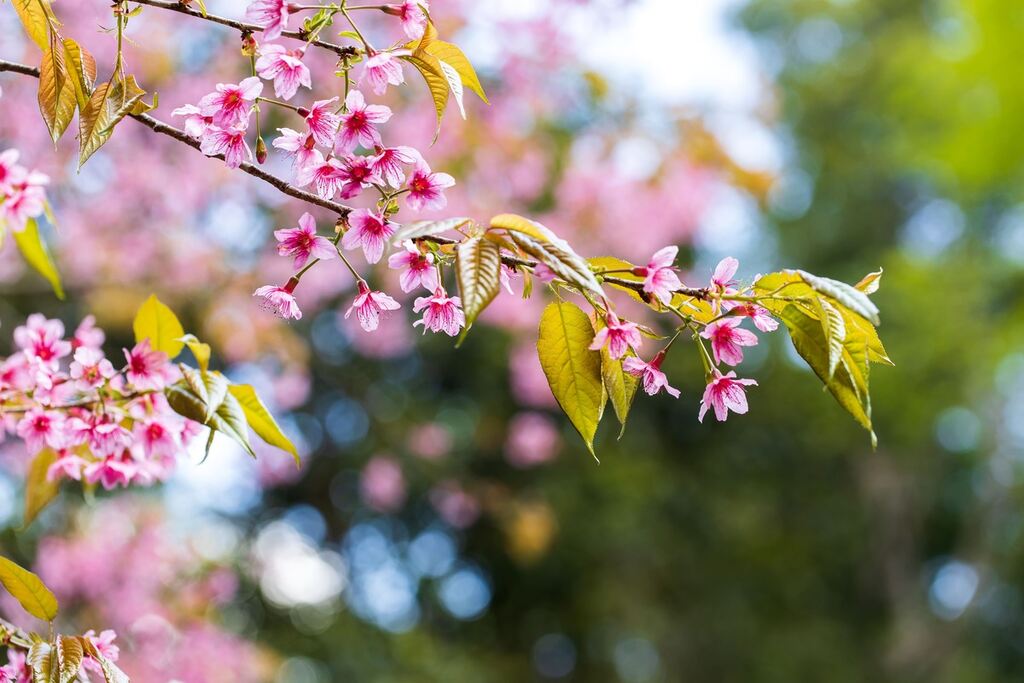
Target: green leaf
42,660
548,248
209,387
69,658
34,17
39,491
157,323
261,420
451,55
478,270
850,297
28,590
227,417
109,103
834,327
573,371
428,228
56,93
436,82
81,69
870,282
620,385
199,349
37,255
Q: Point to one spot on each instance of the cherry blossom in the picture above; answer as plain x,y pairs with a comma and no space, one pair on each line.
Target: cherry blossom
760,316
90,369
727,338
371,231
618,336
725,393
356,174
358,124
272,15
299,146
383,69
303,243
148,369
230,105
22,192
327,175
441,313
414,19
230,142
368,306
389,162
41,428
323,122
660,279
417,268
426,189
196,124
280,300
654,379
285,68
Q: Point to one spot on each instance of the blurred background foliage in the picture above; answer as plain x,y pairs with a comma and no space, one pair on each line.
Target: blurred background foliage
419,543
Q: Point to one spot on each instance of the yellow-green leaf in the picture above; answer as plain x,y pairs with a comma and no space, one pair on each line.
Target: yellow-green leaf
34,16
209,387
428,228
81,70
478,270
42,661
870,282
436,83
847,295
69,658
573,371
548,248
37,255
620,385
610,263
28,590
261,420
228,417
110,102
39,490
451,54
199,349
157,323
111,673
834,327
56,93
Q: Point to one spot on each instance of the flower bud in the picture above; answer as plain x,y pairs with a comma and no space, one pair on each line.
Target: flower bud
261,151
393,10
302,111
249,45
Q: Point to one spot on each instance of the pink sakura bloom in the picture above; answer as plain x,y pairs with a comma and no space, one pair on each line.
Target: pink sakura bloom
417,268
369,230
90,369
229,142
763,320
322,122
230,105
148,370
620,337
297,145
40,428
196,124
87,334
157,439
388,163
26,199
727,337
326,175
505,275
544,274
653,378
67,465
357,174
103,434
725,393
660,278
111,472
42,340
303,243
414,19
272,15
368,305
104,644
358,124
15,373
280,300
9,168
721,279
382,69
16,670
426,189
285,68
441,313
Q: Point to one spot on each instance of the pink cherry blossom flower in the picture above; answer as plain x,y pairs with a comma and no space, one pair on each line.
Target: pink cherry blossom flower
90,369
382,485
272,15
102,433
544,274
505,276
42,340
157,439
653,378
727,337
441,313
299,146
532,440
369,230
762,319
17,669
388,163
721,279
111,472
426,189
620,337
39,428
382,69
280,300
660,278
148,369
368,306
196,124
66,465
356,175
327,176
26,198
322,122
104,644
358,124
230,105
725,393
417,268
414,19
87,334
285,68
9,167
230,142
303,243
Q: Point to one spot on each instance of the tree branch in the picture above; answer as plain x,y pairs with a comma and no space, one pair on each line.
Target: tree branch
340,50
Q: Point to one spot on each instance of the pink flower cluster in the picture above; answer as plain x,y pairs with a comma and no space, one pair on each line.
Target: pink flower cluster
18,669
106,425
22,193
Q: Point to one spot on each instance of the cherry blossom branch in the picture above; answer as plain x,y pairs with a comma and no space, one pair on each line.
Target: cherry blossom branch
159,126
340,50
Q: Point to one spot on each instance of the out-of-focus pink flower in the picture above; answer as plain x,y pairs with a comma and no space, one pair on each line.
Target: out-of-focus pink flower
148,369
42,340
382,484
66,465
763,320
87,334
619,336
196,124
426,189
441,313
272,15
358,124
297,145
532,440
111,472
322,122
727,338
414,19
16,670
90,369
725,393
371,231
430,441
230,105
22,193
40,428
544,274
417,268
389,162
456,506
505,275
285,68
368,305
382,69
653,378
104,644
303,243
660,278
227,141
280,300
